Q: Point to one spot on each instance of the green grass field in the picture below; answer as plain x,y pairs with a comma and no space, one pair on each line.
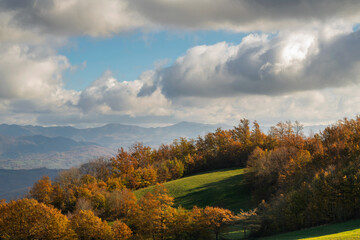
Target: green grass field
338,231
222,188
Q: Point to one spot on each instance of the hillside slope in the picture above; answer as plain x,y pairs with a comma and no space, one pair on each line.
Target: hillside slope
222,188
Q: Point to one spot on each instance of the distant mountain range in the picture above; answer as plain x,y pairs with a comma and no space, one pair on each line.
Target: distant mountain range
27,147
36,151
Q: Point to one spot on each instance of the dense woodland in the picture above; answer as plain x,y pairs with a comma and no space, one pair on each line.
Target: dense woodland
296,181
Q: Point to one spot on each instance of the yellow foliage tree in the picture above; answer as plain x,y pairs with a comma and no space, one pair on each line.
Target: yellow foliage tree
88,227
42,190
29,219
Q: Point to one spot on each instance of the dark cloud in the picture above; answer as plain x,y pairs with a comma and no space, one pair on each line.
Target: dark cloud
16,4
108,17
72,18
259,65
244,15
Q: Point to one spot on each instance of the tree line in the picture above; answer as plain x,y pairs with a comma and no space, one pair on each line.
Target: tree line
151,217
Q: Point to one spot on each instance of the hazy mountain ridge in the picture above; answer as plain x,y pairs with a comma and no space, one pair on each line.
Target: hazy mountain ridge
35,151
37,144
115,135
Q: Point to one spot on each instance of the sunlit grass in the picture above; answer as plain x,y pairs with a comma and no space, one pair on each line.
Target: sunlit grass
338,231
222,188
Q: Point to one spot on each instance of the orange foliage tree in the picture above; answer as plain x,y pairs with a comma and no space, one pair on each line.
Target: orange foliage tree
120,203
155,213
121,230
215,219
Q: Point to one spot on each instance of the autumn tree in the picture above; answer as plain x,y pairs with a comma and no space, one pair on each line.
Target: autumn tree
258,138
155,213
99,168
69,178
42,190
142,154
124,163
29,219
121,230
248,220
120,203
242,132
216,219
141,177
265,168
183,226
189,225
89,227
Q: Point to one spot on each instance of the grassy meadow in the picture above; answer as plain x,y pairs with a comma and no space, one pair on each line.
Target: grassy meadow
222,188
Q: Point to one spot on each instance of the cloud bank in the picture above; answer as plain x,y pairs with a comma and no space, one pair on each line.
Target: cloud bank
263,64
303,64
245,15
108,17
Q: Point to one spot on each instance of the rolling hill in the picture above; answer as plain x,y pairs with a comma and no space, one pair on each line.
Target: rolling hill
222,188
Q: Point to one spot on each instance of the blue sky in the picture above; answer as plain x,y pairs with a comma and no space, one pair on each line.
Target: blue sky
157,62
129,55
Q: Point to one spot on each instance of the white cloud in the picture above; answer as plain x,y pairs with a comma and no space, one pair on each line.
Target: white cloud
26,74
107,95
31,83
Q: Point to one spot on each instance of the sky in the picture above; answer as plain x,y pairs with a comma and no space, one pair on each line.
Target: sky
87,63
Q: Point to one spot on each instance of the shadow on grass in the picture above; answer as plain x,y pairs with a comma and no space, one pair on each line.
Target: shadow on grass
229,193
319,231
